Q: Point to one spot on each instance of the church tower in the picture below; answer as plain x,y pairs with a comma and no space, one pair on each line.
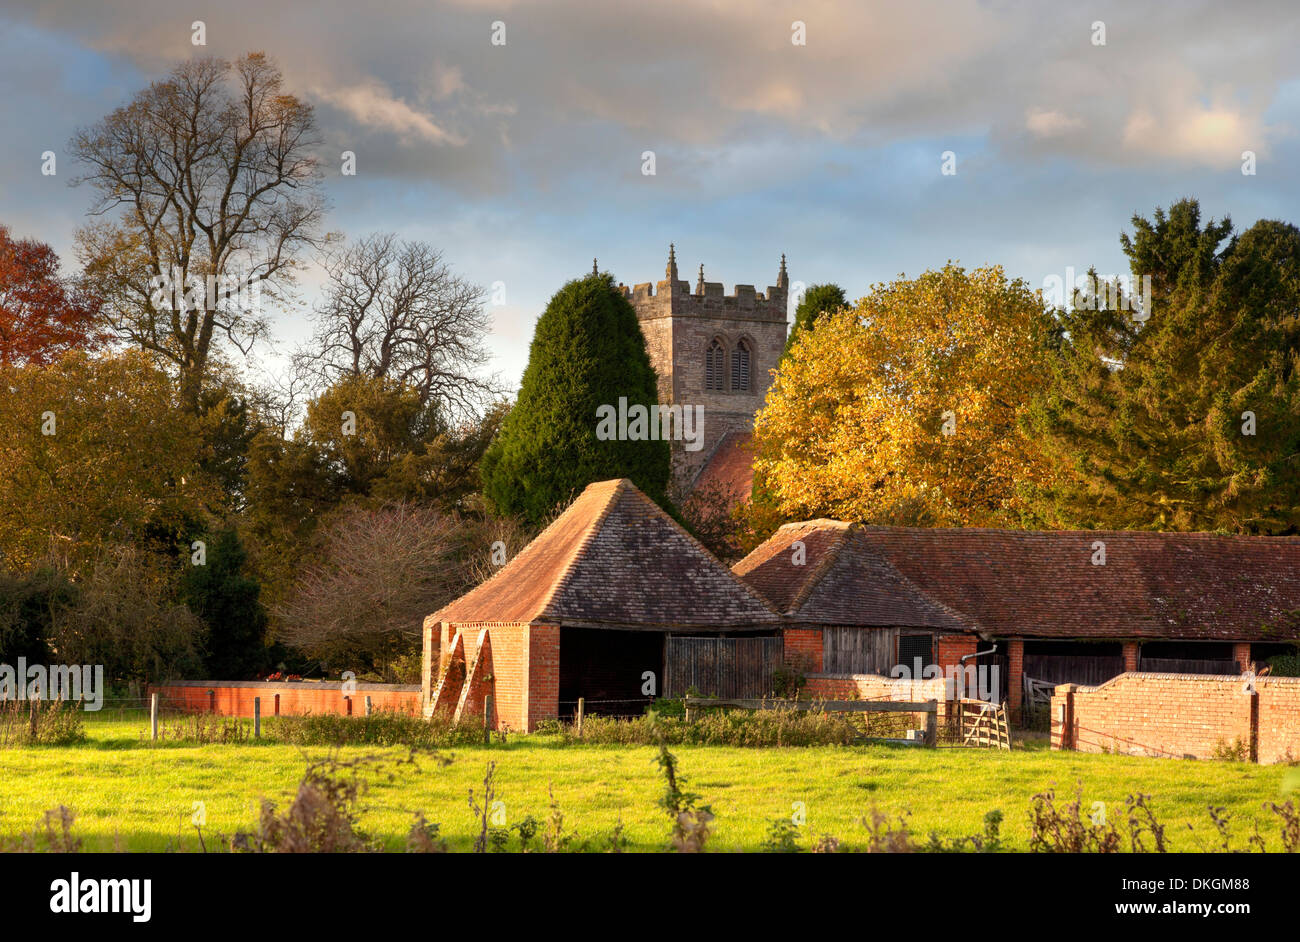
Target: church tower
713,350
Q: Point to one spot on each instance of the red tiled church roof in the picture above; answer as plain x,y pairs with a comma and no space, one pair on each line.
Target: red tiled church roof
841,581
729,472
614,559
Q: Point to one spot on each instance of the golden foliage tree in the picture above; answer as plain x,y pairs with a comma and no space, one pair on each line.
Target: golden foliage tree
95,450
907,409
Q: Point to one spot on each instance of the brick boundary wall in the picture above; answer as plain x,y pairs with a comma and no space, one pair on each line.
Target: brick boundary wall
1180,716
229,698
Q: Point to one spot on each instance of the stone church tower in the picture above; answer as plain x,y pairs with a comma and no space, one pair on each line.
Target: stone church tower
717,351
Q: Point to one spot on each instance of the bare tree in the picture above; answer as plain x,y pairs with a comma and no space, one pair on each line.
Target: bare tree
395,310
213,180
363,601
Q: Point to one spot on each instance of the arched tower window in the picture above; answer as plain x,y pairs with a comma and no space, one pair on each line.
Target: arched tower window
740,368
715,366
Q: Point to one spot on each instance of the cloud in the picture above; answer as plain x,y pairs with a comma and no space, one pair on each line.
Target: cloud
374,106
1212,135
1043,123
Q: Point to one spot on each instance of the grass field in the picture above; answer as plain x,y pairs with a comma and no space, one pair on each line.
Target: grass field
139,796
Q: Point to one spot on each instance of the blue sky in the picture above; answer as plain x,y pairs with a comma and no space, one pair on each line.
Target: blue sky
522,162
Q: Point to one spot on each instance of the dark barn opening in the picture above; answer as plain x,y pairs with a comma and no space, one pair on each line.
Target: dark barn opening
606,668
1073,662
1187,657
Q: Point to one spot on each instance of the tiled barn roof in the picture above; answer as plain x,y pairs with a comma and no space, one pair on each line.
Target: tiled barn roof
1194,586
614,559
841,581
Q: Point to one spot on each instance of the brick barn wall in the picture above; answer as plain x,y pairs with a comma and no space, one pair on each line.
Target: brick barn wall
1279,719
1178,715
803,649
543,675
950,649
296,699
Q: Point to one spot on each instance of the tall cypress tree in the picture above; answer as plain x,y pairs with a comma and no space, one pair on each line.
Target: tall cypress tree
1186,417
817,301
587,352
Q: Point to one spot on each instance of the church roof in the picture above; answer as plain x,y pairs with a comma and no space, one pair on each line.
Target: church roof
729,473
614,559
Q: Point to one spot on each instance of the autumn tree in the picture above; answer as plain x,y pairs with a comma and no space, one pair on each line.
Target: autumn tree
907,408
96,450
394,310
1183,414
42,314
364,442
207,182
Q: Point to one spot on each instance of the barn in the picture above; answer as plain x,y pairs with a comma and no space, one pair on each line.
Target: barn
615,604
612,603
1052,606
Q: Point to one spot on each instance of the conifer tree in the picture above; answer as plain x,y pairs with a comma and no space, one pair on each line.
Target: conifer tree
1185,416
587,352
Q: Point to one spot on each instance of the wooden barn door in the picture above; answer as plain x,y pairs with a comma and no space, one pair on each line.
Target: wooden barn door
721,667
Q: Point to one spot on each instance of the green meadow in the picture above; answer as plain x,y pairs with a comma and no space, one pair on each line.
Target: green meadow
135,795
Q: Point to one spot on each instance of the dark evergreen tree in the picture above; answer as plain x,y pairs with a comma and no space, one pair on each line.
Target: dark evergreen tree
1185,416
587,352
817,300
227,599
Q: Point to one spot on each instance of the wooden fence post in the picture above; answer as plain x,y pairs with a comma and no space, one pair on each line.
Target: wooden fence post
153,715
257,717
932,724
487,719
581,708
370,707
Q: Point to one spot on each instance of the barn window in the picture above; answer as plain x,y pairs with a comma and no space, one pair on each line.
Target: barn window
910,647
715,368
740,368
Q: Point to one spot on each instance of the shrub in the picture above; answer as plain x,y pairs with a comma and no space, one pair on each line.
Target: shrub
41,723
722,728
1285,665
382,728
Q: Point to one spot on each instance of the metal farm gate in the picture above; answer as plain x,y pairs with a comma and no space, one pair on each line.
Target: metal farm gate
721,667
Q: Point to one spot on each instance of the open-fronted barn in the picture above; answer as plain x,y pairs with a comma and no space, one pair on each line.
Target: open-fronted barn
615,603
1060,606
601,606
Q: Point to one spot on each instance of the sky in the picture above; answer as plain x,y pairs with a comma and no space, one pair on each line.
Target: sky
522,160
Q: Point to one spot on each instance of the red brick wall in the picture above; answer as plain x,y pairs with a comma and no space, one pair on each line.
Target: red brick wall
1178,715
296,699
543,674
803,649
1279,718
952,648
1016,676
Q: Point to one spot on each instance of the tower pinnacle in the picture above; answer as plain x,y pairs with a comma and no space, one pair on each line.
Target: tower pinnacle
671,272
782,279
594,269
699,284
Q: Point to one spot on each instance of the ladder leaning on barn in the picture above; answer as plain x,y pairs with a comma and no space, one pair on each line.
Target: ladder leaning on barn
984,725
